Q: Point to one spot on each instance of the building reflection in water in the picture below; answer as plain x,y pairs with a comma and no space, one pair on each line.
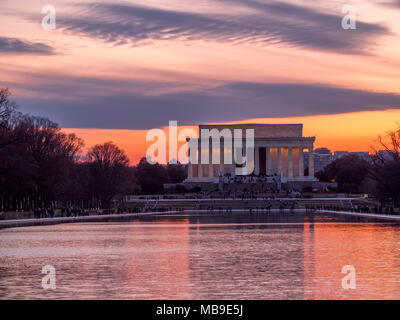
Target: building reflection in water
292,257
372,248
237,256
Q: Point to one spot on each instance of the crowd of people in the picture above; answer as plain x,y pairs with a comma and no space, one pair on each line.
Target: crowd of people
387,209
261,178
270,202
43,213
266,194
63,212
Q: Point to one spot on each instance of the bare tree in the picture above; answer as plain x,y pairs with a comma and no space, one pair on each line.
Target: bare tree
38,165
391,145
107,155
7,107
385,172
110,175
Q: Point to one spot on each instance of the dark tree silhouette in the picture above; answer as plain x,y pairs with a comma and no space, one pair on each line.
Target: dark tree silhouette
7,109
176,173
348,171
385,172
35,168
109,172
151,177
42,166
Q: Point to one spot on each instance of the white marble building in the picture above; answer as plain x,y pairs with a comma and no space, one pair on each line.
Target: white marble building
278,151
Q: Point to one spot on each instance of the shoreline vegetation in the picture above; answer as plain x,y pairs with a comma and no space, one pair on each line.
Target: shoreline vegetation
45,172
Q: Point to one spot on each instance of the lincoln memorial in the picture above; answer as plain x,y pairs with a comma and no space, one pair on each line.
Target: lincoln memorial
277,151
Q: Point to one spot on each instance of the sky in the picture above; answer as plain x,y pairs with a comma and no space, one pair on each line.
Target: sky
111,70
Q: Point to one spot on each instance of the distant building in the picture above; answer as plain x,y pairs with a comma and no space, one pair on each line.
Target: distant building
386,154
339,154
322,157
362,154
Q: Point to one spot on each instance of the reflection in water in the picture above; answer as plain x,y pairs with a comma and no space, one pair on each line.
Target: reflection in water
373,249
236,256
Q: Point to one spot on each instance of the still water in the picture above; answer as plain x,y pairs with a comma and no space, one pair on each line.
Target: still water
227,256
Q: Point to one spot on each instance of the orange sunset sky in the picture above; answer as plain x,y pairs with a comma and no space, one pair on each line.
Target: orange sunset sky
111,70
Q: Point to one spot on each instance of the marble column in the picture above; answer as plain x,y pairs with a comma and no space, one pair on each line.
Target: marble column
279,169
190,165
221,158
233,166
190,170
256,161
301,162
210,164
199,165
311,162
267,161
290,162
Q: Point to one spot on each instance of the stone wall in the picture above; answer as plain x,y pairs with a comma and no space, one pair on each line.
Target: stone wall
263,130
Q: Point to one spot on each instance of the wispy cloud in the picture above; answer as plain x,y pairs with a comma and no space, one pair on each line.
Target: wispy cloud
266,23
392,3
125,109
18,46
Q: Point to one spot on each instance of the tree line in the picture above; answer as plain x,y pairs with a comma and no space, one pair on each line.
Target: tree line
379,177
42,166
